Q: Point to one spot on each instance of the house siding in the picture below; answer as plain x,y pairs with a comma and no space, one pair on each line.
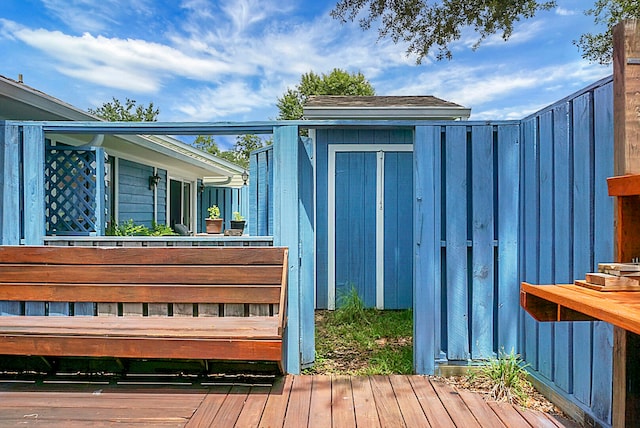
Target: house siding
135,199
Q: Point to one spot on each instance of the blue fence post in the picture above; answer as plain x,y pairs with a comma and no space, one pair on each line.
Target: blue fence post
287,233
426,226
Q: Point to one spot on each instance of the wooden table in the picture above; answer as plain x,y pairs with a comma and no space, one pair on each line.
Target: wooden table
568,302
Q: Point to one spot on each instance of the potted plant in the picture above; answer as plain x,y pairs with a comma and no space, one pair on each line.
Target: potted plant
238,221
214,222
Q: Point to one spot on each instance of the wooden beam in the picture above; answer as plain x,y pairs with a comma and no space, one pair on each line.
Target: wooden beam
626,83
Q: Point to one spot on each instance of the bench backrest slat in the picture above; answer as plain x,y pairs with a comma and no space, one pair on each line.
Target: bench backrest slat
142,255
244,275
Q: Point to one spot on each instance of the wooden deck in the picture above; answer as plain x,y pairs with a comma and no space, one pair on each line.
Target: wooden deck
292,401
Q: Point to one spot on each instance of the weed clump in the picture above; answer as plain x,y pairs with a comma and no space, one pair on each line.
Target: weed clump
507,378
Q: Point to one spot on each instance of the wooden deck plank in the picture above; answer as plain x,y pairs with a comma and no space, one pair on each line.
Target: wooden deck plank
481,410
296,401
299,403
386,402
408,402
253,407
276,407
508,414
364,403
342,402
457,409
209,407
320,407
231,407
432,406
536,419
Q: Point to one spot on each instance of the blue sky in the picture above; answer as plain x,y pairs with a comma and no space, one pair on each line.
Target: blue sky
229,60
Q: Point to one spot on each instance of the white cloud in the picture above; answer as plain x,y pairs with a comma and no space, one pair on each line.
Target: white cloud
565,12
94,16
213,103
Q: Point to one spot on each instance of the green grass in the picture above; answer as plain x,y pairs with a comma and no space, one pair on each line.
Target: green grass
360,341
507,376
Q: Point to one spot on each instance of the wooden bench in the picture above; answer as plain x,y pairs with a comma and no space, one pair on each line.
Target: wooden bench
146,302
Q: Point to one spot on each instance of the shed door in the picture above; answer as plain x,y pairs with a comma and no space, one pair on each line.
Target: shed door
371,224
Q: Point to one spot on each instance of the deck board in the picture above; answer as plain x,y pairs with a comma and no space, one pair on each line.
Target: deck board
297,401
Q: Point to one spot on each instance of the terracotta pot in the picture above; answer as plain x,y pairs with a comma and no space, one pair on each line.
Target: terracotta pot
214,225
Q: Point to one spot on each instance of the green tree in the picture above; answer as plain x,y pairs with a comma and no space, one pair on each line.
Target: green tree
434,24
338,82
598,47
129,111
206,143
238,154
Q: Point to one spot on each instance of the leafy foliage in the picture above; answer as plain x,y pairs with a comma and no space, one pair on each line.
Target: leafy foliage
599,47
130,228
238,154
116,111
338,82
431,24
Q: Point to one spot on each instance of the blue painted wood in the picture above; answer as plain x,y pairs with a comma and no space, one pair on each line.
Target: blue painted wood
271,209
10,194
322,153
254,206
602,373
398,230
483,234
355,225
307,256
101,191
135,197
33,197
508,306
426,331
531,231
583,205
546,260
563,238
457,293
287,233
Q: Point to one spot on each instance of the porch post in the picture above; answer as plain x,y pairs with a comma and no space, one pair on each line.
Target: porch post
287,233
34,219
426,278
9,196
101,193
10,184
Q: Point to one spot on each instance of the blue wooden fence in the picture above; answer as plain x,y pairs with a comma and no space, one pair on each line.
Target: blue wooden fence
566,230
261,192
229,200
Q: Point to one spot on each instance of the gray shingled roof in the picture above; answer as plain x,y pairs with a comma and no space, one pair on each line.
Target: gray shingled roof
377,101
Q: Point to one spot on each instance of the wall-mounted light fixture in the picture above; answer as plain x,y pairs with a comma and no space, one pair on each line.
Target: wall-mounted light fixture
154,180
201,188
245,176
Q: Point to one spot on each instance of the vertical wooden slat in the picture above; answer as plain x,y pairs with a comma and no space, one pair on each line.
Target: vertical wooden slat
307,253
457,293
185,310
508,239
10,197
482,190
546,261
563,237
108,309
426,306
583,164
531,231
601,385
233,310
